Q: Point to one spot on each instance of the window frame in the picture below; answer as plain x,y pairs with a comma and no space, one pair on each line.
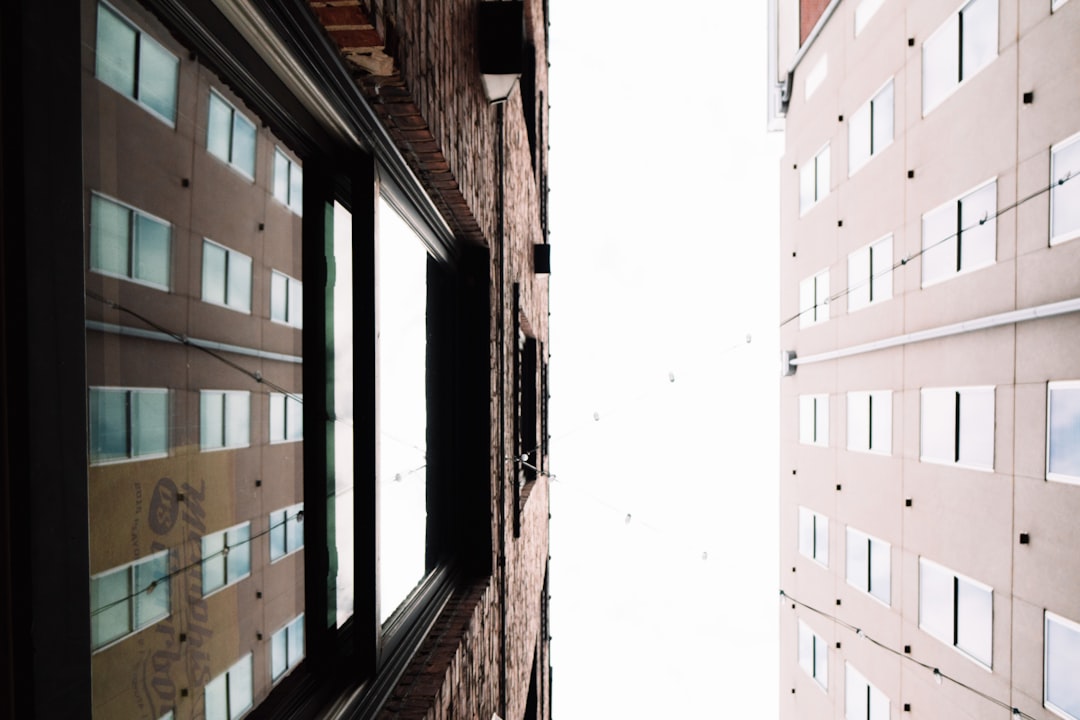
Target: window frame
813,169
954,22
227,675
956,237
1051,386
953,612
235,115
818,648
1072,142
140,35
227,290
868,571
290,663
130,600
853,399
872,693
224,554
292,286
129,422
818,411
870,107
295,205
1072,626
226,445
815,288
817,533
296,520
958,430
878,283
287,400
132,242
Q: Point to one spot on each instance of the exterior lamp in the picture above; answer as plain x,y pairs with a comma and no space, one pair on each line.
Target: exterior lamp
500,42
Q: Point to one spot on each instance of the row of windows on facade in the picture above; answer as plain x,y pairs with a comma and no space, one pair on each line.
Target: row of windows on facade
140,68
133,423
959,236
953,608
126,599
129,243
956,426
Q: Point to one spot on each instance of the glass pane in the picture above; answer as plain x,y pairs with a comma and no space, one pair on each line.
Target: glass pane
806,419
281,177
881,263
277,534
296,188
216,699
855,689
213,562
823,174
879,704
974,621
296,529
937,426
858,560
858,421
402,422
882,134
939,244
979,32
880,567
219,128
864,11
1065,198
821,297
151,251
108,424
936,601
211,420
978,237
150,422
239,282
977,428
858,266
340,428
941,64
279,297
821,662
296,641
806,532
1062,661
213,273
277,417
158,72
110,229
806,302
296,303
806,649
294,419
240,688
237,419
1064,449
243,144
881,422
806,186
278,653
821,420
115,63
821,539
859,131
151,590
238,561
109,607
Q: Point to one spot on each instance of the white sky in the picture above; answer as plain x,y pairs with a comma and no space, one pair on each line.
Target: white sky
663,225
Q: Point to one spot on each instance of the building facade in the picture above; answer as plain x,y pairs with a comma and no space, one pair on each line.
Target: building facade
930,236
275,329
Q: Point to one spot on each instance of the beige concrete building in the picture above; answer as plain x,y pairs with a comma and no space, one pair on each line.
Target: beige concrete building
930,412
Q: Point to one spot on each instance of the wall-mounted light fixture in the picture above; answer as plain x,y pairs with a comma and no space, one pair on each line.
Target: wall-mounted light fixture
500,40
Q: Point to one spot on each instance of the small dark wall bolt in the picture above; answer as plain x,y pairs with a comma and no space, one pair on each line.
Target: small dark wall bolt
838,488
262,226
910,174
907,649
793,569
185,182
837,601
258,594
258,483
837,644
840,118
911,42
1029,97
907,707
1024,538
183,692
839,223
183,637
907,502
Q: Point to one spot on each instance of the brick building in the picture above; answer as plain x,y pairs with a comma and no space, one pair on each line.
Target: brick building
275,359
930,411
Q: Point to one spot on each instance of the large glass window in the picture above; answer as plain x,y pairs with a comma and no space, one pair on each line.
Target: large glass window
814,180
1063,431
286,531
128,423
286,417
224,419
956,610
870,129
869,564
869,421
960,236
129,598
964,44
957,426
129,243
288,182
814,299
226,277
230,136
814,420
287,648
813,655
1061,659
135,64
230,694
286,299
870,277
1065,190
814,536
863,701
226,557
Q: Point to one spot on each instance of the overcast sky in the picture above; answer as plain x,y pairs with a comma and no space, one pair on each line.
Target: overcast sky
664,233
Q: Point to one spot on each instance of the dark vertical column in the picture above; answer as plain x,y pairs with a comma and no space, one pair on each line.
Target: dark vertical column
45,596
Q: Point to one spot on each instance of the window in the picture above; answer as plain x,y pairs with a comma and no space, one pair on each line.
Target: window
816,76
814,180
1055,4
814,536
1061,658
286,299
813,655
128,598
814,420
224,419
1065,193
135,65
960,236
864,11
868,564
956,610
286,417
230,136
288,182
226,277
128,243
957,426
230,694
863,701
128,424
814,299
287,648
226,557
870,277
870,129
1063,431
869,421
961,47
286,531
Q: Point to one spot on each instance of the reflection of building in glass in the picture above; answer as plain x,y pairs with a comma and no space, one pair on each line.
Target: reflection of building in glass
275,358
931,411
